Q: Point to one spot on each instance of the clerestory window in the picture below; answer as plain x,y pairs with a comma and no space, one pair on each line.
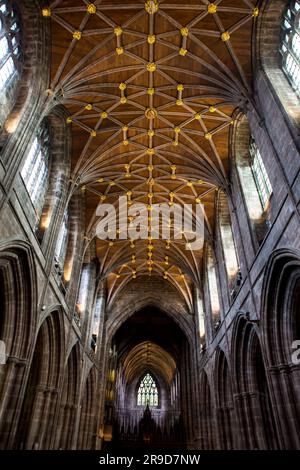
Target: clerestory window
290,44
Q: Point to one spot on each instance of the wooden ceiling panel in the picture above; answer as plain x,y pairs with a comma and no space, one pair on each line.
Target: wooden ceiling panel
188,61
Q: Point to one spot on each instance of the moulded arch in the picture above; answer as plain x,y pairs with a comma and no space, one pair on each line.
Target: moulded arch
268,57
37,418
251,387
88,418
19,297
36,69
280,303
183,321
59,172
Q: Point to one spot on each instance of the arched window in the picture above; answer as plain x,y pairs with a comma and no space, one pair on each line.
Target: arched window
254,181
213,289
228,245
83,290
35,171
260,174
62,241
10,50
147,392
231,261
200,312
230,255
290,44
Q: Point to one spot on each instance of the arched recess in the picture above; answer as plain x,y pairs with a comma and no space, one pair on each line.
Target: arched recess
136,360
207,418
134,369
212,289
226,419
73,261
18,297
280,328
152,340
10,55
35,69
69,400
87,433
228,244
18,306
117,316
251,388
258,213
45,174
59,173
268,39
36,427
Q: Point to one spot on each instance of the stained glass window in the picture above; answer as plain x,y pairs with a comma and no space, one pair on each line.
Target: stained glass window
260,174
147,392
290,44
10,50
35,171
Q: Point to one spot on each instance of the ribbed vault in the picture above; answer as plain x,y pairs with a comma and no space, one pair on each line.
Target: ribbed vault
151,89
148,356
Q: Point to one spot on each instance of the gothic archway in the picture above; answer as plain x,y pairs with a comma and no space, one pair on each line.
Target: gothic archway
69,401
18,303
281,327
207,416
251,388
39,408
225,407
88,419
150,342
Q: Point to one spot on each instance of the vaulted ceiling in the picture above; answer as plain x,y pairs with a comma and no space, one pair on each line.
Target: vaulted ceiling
151,89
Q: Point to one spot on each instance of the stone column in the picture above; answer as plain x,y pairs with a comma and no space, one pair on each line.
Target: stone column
11,395
285,380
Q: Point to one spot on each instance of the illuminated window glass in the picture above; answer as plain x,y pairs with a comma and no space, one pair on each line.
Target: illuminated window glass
147,392
213,287
260,174
35,171
290,44
83,289
10,50
61,245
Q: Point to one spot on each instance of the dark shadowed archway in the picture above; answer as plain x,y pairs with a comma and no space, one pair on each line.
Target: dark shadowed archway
150,342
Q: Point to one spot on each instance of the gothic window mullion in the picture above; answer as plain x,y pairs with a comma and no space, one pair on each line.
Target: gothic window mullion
260,175
147,392
9,44
290,45
35,171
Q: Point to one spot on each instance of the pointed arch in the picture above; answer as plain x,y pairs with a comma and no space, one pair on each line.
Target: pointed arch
37,419
230,254
271,57
88,419
18,323
224,402
212,287
69,400
24,102
252,178
280,314
207,419
251,384
18,297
